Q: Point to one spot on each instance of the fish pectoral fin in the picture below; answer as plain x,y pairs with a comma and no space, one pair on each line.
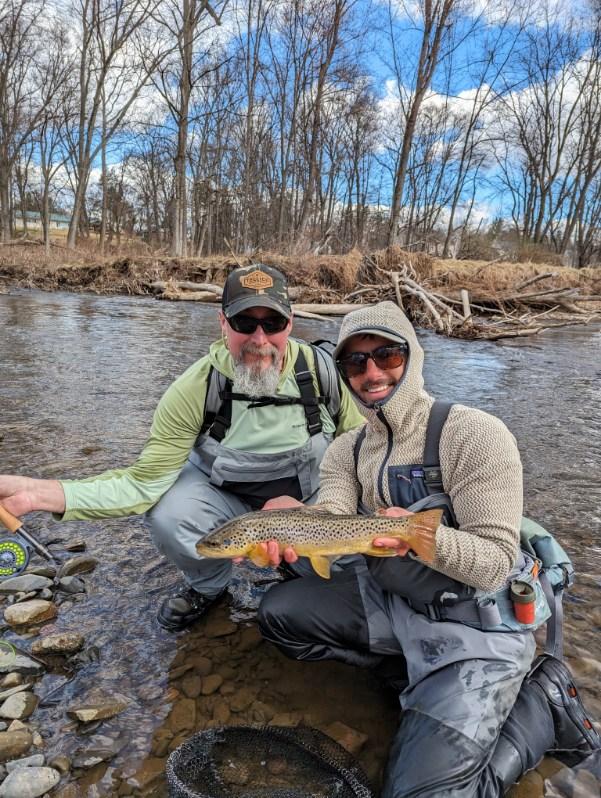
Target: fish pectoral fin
321,564
258,556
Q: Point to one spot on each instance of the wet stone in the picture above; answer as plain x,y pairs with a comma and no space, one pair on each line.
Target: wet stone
34,611
191,685
101,710
210,684
29,782
221,712
351,739
42,570
18,706
531,785
72,585
14,744
61,763
182,716
242,699
149,774
175,673
11,680
220,627
202,665
83,564
76,545
36,760
25,583
61,643
12,690
250,638
160,742
89,759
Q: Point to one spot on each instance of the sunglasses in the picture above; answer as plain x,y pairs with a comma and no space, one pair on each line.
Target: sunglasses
386,357
248,324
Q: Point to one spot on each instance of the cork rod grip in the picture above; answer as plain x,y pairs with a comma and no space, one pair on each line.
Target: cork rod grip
10,521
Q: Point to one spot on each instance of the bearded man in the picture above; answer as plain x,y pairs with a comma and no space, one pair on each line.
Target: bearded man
246,423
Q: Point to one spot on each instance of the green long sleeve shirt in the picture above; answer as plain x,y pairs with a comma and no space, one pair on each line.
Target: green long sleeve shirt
176,424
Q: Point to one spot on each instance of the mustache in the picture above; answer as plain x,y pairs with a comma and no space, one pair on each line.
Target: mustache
254,349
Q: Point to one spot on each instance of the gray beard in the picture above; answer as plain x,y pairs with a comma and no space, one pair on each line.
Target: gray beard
255,383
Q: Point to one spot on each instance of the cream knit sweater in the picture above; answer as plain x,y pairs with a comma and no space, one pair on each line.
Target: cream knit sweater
480,464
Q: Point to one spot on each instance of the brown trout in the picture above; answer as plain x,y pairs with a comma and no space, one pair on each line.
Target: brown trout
320,535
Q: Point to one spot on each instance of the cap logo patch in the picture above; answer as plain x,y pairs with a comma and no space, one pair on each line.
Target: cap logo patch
257,281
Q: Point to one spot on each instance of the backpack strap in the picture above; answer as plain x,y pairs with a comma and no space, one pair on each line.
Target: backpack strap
432,471
310,402
328,378
217,416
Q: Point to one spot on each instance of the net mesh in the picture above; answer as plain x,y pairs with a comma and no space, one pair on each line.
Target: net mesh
264,762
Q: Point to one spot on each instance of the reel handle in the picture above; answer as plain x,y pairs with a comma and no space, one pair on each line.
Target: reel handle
8,520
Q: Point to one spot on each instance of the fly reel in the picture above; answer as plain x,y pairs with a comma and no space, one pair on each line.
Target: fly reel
14,556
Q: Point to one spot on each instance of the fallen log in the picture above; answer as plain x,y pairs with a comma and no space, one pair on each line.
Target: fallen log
326,310
159,286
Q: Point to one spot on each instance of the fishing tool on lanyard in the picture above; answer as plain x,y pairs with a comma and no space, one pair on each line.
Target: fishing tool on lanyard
15,550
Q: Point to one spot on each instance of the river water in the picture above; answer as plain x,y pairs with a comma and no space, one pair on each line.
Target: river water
80,378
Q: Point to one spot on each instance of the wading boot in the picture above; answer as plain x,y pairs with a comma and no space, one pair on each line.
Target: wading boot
548,717
184,608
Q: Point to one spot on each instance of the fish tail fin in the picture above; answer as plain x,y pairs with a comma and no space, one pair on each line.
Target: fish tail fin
423,527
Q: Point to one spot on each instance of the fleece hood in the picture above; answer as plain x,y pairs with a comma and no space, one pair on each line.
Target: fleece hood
408,403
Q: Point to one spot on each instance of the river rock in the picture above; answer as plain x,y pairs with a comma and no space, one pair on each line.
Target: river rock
19,663
242,699
61,643
33,611
92,757
220,627
76,545
34,761
182,716
83,564
25,583
351,739
12,690
11,680
72,585
29,782
221,712
148,774
202,665
19,706
61,763
191,684
210,684
100,710
531,785
14,744
250,638
42,570
160,742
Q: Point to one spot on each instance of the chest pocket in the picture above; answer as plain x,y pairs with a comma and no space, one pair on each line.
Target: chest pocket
408,488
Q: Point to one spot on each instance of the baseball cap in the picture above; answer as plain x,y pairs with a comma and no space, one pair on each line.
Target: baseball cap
255,286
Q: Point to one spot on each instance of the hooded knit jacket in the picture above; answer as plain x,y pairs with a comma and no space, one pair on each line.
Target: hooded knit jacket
480,463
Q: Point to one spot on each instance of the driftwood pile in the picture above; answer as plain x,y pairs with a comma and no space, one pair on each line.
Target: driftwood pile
430,298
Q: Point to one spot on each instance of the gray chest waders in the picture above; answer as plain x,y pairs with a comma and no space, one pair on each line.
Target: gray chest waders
257,477
543,566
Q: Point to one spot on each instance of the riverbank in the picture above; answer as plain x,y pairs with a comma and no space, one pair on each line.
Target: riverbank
467,299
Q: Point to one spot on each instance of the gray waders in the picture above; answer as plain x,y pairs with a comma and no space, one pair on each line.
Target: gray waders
219,483
476,716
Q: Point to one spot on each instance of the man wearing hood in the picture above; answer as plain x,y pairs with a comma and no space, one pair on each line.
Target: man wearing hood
466,654
247,422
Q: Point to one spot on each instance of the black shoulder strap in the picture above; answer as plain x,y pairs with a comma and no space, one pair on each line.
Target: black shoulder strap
328,377
310,402
432,472
220,422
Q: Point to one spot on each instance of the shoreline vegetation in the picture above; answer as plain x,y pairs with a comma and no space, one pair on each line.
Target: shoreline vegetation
468,299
